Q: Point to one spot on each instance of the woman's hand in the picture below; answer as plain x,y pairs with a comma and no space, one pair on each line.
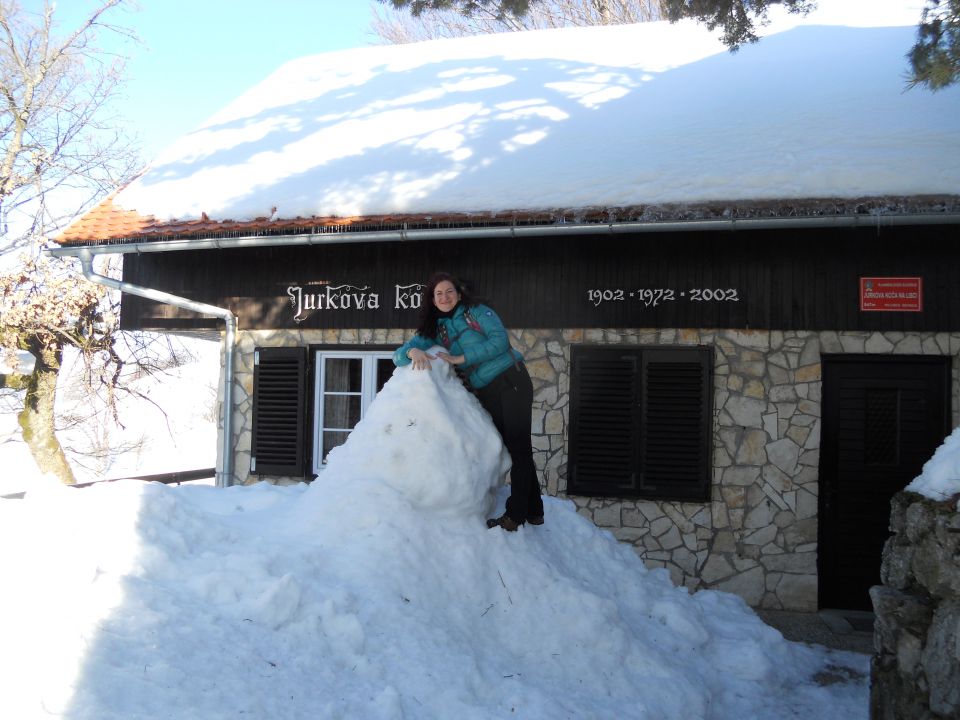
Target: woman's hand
451,359
420,359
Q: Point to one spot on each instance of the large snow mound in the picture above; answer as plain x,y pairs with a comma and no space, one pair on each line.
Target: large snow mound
429,439
369,596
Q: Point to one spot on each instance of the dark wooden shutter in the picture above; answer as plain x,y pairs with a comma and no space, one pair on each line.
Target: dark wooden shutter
676,423
641,422
603,430
279,411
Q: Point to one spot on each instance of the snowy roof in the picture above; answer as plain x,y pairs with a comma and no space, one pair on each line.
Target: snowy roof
639,122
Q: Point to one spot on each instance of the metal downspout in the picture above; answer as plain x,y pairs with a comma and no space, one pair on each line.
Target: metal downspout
224,476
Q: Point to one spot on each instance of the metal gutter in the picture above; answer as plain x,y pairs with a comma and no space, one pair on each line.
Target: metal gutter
224,477
512,231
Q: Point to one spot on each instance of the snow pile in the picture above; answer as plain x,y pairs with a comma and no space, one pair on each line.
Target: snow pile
372,597
442,453
614,116
940,477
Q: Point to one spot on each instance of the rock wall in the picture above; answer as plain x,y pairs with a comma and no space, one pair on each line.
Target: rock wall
916,669
758,536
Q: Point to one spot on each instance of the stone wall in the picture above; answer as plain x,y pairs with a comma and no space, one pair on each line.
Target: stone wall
758,536
916,670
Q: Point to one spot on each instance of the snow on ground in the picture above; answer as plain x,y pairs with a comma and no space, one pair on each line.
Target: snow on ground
169,424
169,418
377,592
940,477
614,116
17,467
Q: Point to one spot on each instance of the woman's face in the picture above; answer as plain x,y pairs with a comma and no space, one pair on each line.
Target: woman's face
445,296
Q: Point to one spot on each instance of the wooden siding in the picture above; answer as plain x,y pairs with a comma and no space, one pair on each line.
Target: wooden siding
788,279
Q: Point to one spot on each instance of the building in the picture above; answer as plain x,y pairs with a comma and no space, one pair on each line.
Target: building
732,276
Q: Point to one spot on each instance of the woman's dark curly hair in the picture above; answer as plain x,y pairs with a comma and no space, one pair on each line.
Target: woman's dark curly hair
427,326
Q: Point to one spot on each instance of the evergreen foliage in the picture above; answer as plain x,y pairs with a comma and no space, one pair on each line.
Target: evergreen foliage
935,58
735,17
499,8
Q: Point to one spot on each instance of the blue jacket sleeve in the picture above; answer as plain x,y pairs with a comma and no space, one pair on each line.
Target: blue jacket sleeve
497,341
417,341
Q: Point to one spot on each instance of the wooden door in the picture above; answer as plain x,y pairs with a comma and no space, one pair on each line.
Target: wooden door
883,417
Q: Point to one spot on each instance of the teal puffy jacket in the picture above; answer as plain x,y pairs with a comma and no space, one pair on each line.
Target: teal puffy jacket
486,351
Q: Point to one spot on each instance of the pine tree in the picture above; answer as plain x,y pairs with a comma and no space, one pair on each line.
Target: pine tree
935,58
735,17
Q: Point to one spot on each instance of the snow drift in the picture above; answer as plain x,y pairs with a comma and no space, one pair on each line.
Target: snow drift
376,592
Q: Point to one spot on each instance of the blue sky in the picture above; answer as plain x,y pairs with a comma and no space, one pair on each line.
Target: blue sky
195,56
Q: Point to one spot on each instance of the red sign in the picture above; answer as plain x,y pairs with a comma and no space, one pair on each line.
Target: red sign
891,294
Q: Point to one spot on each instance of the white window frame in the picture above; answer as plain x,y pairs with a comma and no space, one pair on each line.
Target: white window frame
368,390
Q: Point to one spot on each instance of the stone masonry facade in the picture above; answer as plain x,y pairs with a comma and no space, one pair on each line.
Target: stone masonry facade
757,537
915,671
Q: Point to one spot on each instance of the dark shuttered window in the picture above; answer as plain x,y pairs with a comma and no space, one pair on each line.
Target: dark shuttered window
641,422
279,411
605,422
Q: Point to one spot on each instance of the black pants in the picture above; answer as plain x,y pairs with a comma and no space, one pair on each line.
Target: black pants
509,400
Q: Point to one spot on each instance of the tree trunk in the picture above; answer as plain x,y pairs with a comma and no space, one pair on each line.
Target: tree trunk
603,7
37,416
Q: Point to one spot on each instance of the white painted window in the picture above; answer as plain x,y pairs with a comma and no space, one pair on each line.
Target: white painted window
346,383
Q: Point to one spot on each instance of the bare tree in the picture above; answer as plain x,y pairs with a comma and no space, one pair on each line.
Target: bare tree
91,426
61,151
62,147
45,308
446,20
43,311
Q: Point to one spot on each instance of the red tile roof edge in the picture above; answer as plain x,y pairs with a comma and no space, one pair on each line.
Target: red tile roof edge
108,223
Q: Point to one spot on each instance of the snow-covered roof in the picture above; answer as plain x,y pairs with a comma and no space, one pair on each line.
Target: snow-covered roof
624,122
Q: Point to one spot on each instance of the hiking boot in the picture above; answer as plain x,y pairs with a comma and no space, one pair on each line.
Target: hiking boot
535,519
504,521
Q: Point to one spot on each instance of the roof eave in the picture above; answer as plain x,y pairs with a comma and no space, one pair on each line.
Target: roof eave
329,236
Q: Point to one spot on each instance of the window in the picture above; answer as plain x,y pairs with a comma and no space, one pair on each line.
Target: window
641,422
346,383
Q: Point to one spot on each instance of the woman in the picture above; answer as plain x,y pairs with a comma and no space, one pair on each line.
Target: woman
478,346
